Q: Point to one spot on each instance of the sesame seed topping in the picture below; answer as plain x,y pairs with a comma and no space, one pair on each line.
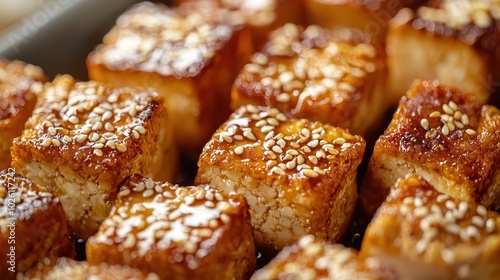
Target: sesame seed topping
74,120
239,150
98,152
424,123
120,147
46,142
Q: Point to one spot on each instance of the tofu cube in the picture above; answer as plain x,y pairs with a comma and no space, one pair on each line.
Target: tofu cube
455,42
443,135
19,84
84,138
176,232
298,176
33,225
187,53
336,77
421,233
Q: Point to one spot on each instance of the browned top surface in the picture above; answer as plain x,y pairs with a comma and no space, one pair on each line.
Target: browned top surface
152,217
168,41
16,79
418,223
311,72
90,126
311,258
27,197
474,22
268,146
443,129
65,268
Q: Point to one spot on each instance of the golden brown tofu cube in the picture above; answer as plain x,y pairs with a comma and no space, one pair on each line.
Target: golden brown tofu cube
298,176
176,232
84,138
18,89
311,258
455,42
336,77
187,53
262,16
32,225
445,136
65,268
370,16
424,234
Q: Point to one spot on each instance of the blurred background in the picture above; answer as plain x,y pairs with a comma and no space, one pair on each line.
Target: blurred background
56,34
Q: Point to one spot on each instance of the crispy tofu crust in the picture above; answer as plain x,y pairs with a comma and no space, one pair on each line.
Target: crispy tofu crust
370,16
456,42
312,258
188,53
297,175
65,268
424,234
32,221
18,89
336,77
446,137
84,138
176,232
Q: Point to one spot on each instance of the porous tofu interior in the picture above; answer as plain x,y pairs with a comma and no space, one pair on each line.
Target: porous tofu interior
84,202
278,223
413,54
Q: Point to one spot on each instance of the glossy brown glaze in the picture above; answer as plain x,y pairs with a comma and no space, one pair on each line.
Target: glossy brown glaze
422,233
335,77
33,222
176,232
18,90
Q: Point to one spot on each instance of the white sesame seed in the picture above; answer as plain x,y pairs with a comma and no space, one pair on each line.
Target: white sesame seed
140,129
129,241
225,218
80,138
120,147
463,206
98,146
93,137
52,131
450,204
267,128
111,144
106,116
310,173
109,127
447,255
442,197
435,114
453,229
97,126
490,225
56,142
445,130
470,131
418,202
453,105
421,246
477,221
272,121
447,109
124,192
148,193
481,210
189,200
278,170
98,152
465,119
46,142
73,119
277,149
424,123
283,97
239,150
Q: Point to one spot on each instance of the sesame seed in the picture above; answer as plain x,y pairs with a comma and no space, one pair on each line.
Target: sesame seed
189,200
93,137
56,142
267,128
272,121
97,126
425,124
225,218
435,114
140,129
251,109
98,152
278,170
417,202
47,142
148,193
74,119
451,126
209,195
239,150
477,221
310,173
445,130
450,204
80,138
120,147
52,131
277,149
106,116
457,115
453,229
129,241
124,192
458,124
109,127
98,146
209,204
447,109
470,131
111,144
150,183
283,97
442,197
463,206
490,225
447,255
421,245
465,119
453,105
68,139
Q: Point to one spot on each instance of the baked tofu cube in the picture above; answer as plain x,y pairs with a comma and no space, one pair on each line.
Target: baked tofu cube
65,268
336,77
370,16
298,176
423,234
18,88
311,258
455,42
32,225
445,136
262,16
187,53
176,232
84,138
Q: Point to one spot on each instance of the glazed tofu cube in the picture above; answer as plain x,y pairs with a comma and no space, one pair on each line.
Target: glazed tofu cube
445,136
370,16
311,258
176,232
336,77
65,268
187,53
18,89
298,176
84,138
32,225
455,42
262,16
423,234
